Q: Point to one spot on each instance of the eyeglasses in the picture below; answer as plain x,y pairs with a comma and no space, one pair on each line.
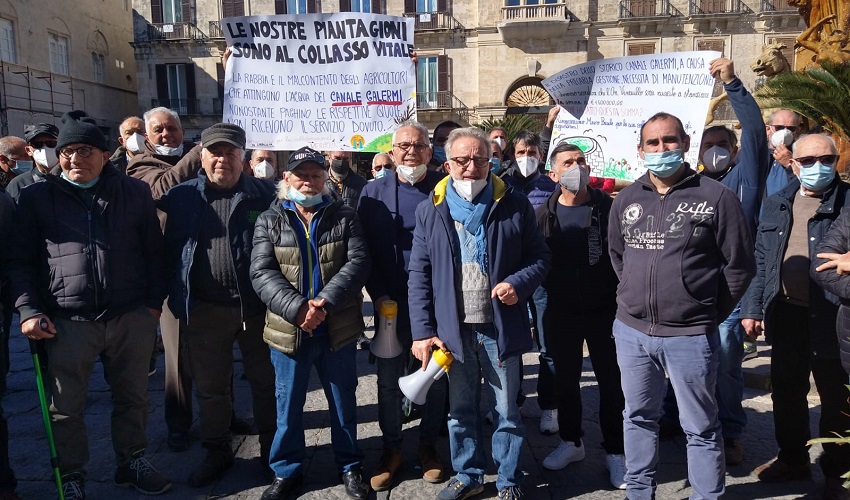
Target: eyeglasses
41,144
378,168
478,161
417,146
808,161
84,151
792,128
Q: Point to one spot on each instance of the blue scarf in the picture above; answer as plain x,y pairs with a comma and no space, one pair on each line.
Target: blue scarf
472,215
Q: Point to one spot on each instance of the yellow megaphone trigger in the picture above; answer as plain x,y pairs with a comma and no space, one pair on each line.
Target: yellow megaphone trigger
443,358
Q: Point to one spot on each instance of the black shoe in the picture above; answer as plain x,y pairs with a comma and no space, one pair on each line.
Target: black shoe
73,487
217,461
282,488
177,441
355,486
140,474
240,427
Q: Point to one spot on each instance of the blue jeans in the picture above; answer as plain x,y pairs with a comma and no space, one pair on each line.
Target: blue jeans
337,371
691,364
389,401
501,380
730,380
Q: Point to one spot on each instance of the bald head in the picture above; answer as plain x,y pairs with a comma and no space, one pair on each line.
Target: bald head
12,149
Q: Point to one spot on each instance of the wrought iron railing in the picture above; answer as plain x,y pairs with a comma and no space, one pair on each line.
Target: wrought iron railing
181,106
215,30
777,6
539,12
434,21
442,100
644,8
171,31
706,7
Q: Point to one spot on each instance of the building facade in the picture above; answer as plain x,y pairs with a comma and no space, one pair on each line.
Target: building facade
477,59
59,56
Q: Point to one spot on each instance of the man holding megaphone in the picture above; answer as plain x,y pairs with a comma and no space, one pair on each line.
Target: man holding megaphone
477,257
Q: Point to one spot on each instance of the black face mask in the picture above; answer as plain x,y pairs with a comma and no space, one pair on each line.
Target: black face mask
340,166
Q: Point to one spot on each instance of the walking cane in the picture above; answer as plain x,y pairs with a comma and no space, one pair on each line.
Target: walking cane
45,413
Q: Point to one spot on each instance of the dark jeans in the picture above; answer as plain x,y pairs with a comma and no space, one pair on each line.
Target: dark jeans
790,365
566,331
8,482
546,373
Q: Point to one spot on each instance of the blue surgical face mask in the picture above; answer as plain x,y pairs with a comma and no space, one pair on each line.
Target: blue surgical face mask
495,164
305,200
817,177
21,167
83,185
440,154
663,164
380,174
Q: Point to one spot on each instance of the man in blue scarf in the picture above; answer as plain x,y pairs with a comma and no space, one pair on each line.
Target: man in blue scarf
477,257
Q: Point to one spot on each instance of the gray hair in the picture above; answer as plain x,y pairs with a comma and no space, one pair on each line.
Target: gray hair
11,145
162,110
423,130
473,132
807,136
283,186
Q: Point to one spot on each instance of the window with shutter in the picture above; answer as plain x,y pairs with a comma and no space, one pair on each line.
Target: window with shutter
230,8
156,11
7,41
427,82
639,49
717,45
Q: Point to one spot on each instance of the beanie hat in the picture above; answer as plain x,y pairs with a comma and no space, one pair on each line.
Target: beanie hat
79,128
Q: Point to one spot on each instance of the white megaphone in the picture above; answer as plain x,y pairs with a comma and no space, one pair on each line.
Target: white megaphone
385,344
415,386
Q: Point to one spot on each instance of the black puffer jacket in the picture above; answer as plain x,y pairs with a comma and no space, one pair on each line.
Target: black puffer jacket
837,240
280,270
86,260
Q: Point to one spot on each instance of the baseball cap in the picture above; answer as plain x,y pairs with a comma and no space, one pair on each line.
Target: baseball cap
33,131
302,156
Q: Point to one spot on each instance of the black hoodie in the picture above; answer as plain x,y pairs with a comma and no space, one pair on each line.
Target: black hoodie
684,259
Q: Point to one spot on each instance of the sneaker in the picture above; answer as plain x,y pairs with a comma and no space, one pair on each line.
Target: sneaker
457,490
777,471
215,464
566,453
734,451
616,465
140,474
72,487
387,467
511,493
432,467
549,422
750,350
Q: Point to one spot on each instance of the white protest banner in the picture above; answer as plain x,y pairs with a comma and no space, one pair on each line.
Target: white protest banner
329,81
606,101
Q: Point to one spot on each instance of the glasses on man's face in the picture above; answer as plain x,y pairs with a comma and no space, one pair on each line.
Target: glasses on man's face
378,168
808,161
478,161
417,146
41,144
792,128
84,151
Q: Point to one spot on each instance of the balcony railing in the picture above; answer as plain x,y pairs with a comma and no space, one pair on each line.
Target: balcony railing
442,100
630,9
181,106
777,6
171,31
707,7
215,30
541,12
434,21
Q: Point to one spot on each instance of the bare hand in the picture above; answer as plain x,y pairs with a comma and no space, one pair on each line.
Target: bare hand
224,57
553,114
783,155
839,262
505,292
752,327
723,69
315,314
32,328
422,349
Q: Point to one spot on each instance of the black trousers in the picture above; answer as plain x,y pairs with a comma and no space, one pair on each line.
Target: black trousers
566,329
791,363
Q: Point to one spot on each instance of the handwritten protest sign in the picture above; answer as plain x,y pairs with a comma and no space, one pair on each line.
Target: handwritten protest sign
606,101
330,81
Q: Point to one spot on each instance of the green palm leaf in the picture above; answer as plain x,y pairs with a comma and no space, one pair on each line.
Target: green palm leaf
821,94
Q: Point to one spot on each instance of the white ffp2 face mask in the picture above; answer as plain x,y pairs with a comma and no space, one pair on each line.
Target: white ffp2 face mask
168,151
783,136
468,189
527,165
264,170
135,143
411,174
45,157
